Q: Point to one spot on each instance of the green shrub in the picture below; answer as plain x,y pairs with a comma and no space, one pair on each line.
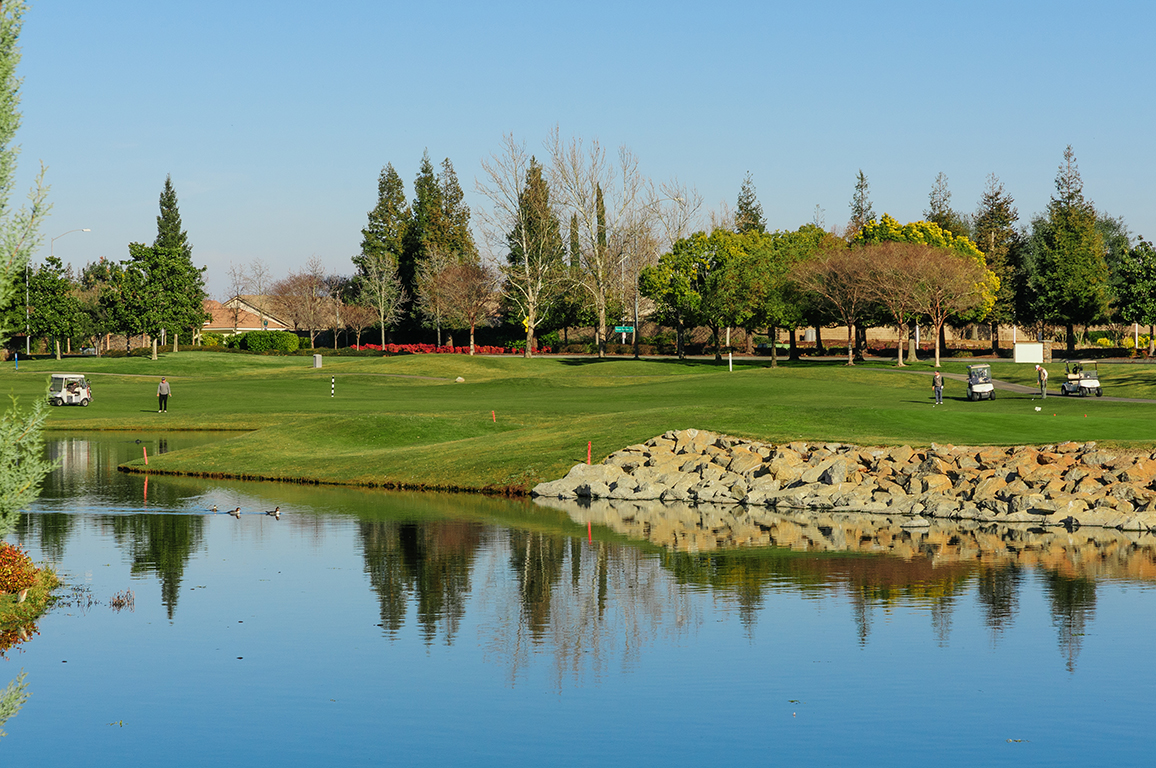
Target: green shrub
210,339
271,341
551,339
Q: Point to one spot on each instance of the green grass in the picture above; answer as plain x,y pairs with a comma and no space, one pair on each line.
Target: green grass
403,420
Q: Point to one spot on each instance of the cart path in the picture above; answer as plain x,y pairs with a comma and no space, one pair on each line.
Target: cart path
1007,386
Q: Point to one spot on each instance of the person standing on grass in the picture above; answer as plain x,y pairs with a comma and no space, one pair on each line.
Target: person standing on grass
163,392
937,383
1042,376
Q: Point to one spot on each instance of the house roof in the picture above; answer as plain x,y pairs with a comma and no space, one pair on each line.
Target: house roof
221,319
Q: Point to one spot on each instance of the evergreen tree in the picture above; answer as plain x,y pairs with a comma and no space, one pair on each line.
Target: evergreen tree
939,210
1136,299
57,310
385,231
537,253
861,210
997,236
1067,272
22,463
160,290
439,220
749,211
169,232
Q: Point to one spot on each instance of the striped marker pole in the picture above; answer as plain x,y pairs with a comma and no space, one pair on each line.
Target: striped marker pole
333,386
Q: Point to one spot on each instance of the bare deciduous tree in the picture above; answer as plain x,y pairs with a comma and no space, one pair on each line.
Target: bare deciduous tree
259,281
839,276
301,298
359,317
471,293
523,224
238,285
432,287
382,290
604,197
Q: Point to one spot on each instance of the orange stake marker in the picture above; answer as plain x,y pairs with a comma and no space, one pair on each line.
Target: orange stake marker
146,453
589,531
588,444
494,416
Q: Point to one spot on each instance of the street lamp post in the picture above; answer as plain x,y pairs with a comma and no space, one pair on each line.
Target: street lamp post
27,299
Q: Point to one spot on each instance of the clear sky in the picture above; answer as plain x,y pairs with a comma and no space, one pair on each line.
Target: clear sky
275,118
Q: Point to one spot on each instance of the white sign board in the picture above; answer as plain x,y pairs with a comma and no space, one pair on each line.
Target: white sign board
1030,352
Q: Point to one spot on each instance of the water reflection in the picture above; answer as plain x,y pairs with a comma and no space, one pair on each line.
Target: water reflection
429,564
540,588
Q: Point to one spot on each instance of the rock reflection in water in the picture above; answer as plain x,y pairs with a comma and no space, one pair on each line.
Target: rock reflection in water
745,552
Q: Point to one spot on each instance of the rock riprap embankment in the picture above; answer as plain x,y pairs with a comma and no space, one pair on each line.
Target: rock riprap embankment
1065,484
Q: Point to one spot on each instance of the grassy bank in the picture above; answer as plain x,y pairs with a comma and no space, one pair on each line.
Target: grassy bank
405,421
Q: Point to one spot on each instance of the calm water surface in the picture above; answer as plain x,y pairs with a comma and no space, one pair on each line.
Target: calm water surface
373,628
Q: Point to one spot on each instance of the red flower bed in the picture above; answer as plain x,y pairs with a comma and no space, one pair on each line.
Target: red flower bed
433,349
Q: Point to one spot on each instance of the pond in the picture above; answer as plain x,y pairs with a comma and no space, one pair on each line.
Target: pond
365,628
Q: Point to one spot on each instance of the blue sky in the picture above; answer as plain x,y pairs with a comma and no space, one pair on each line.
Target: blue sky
275,118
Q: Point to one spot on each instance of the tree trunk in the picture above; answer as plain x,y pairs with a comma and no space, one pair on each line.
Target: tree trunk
774,347
995,339
819,348
1151,340
529,340
750,345
794,345
472,340
942,341
912,345
154,340
938,336
678,341
850,344
58,349
1070,330
899,345
176,341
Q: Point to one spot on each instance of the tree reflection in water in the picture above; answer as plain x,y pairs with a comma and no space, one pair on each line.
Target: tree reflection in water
159,544
431,562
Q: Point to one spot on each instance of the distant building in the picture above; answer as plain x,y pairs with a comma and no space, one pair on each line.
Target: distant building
241,314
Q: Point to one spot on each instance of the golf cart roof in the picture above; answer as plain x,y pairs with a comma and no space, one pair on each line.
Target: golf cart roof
68,375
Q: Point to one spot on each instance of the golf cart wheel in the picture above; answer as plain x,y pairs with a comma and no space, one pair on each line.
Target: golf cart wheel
84,402
1099,391
57,401
991,395
1083,392
971,396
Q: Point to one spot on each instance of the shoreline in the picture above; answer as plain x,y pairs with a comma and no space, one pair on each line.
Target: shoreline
1069,484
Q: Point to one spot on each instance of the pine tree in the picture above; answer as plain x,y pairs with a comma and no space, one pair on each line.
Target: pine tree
861,210
997,236
439,220
385,231
169,232
939,210
748,210
1068,275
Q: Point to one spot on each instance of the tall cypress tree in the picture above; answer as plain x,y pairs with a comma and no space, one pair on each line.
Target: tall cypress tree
1068,275
749,211
861,211
169,232
939,210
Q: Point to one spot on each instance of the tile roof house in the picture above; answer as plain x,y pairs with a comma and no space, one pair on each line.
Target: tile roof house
239,315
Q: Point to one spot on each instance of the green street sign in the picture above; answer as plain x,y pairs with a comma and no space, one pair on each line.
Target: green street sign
624,329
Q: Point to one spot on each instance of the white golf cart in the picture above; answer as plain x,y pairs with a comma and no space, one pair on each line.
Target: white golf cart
1080,380
979,383
69,389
